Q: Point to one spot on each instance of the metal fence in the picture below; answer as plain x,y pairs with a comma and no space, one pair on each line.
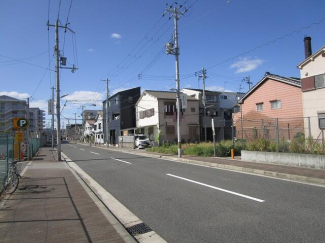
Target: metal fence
6,155
35,144
279,129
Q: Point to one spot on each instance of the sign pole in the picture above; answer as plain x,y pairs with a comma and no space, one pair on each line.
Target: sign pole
214,137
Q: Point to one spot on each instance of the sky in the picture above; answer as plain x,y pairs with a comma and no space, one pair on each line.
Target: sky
123,40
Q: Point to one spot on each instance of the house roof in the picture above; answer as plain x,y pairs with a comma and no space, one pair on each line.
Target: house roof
312,57
119,93
287,80
91,122
165,95
5,97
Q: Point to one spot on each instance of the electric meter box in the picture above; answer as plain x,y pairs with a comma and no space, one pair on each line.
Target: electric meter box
321,120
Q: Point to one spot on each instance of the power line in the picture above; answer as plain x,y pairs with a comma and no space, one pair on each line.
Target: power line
268,43
17,60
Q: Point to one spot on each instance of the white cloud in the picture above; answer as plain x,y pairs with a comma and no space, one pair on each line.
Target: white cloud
42,104
116,36
217,88
15,94
90,50
246,64
85,97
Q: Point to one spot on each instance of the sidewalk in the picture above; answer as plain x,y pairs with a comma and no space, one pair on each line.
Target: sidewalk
272,170
50,205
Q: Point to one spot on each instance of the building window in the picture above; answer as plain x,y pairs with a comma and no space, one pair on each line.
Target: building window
146,113
192,109
99,126
320,81
109,103
116,116
275,104
223,97
259,106
116,101
170,108
170,130
211,98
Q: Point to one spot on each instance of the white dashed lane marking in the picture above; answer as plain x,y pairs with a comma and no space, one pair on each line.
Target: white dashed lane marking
217,188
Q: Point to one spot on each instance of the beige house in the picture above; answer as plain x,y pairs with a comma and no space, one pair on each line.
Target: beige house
156,113
312,72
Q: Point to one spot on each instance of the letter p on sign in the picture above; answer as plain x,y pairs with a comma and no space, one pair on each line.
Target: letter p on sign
19,122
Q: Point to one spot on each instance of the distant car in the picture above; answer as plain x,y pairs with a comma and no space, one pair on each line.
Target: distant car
141,141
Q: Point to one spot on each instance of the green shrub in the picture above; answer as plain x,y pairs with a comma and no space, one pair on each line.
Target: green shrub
297,144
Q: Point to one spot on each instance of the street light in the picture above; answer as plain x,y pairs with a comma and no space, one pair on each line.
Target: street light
64,96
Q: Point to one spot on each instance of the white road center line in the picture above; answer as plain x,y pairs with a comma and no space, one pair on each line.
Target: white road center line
94,152
81,149
122,161
217,188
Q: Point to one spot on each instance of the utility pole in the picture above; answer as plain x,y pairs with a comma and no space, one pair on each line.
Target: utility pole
203,76
172,48
52,124
248,81
57,68
75,127
239,88
28,135
106,115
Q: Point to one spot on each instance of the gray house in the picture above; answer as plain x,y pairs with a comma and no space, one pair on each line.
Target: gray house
119,115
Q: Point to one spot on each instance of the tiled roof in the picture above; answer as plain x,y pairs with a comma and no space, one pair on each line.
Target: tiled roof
165,95
295,81
290,80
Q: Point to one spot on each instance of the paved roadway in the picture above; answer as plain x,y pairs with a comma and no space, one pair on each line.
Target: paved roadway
190,203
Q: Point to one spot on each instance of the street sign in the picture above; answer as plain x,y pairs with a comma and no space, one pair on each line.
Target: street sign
213,129
19,122
19,136
183,100
50,107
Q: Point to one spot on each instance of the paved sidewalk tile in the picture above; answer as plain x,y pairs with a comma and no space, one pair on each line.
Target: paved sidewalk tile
50,205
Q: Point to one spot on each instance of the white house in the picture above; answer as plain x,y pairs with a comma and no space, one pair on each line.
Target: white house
312,73
156,114
98,128
89,128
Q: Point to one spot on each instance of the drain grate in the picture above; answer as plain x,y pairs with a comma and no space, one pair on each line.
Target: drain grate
139,229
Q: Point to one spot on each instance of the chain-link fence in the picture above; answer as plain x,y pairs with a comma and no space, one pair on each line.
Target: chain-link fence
35,144
6,155
280,129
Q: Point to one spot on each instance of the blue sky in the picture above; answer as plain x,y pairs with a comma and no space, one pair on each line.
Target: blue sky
121,39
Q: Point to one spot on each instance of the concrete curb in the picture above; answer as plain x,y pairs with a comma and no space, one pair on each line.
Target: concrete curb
310,180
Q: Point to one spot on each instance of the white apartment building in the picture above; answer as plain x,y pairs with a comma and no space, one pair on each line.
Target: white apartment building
9,108
36,121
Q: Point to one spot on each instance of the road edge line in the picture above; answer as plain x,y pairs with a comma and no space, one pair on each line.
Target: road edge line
116,213
264,173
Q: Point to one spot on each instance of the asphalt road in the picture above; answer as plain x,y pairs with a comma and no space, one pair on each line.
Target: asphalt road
190,203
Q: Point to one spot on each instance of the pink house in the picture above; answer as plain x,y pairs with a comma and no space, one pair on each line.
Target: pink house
273,100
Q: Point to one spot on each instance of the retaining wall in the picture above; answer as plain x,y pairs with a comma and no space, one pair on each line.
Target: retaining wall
290,159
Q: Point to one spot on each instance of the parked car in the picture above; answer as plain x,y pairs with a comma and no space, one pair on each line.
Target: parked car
141,141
